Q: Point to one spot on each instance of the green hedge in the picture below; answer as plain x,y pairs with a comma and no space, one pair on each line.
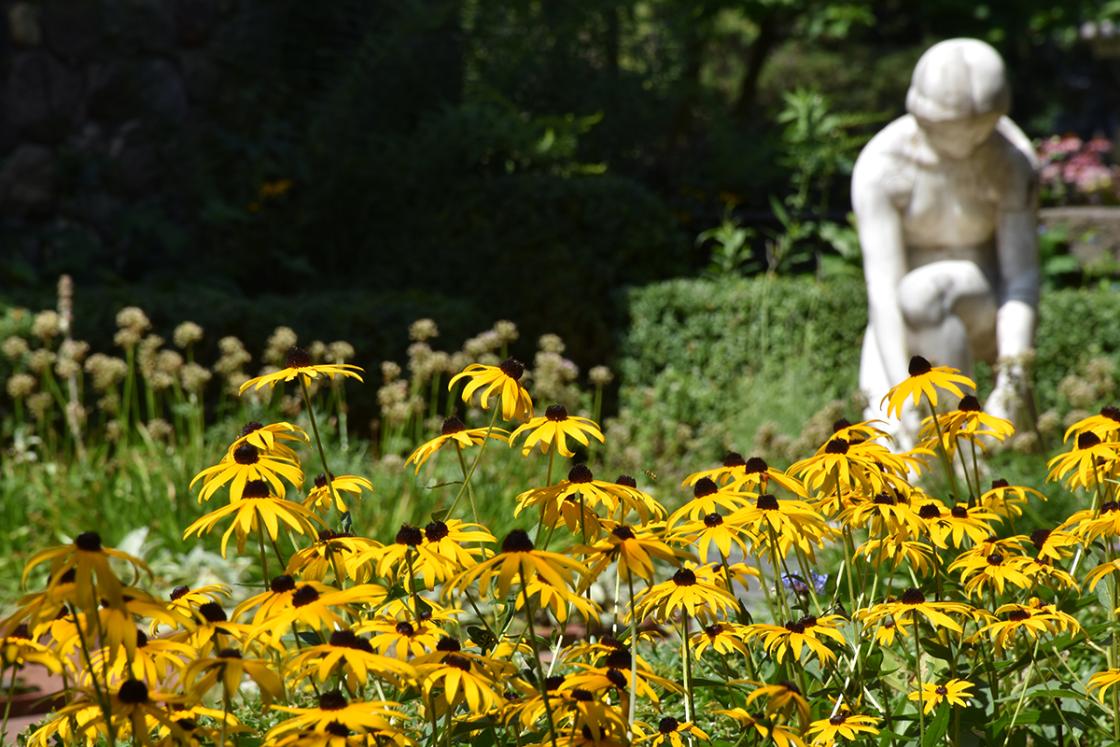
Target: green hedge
724,356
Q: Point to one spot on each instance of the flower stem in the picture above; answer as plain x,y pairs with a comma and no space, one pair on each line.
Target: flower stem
921,688
318,441
474,465
8,704
632,705
686,663
542,685
470,489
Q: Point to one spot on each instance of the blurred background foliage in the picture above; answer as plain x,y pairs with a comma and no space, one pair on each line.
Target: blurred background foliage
346,168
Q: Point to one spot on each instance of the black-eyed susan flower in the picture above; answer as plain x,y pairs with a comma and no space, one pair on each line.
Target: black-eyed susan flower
788,522
320,611
257,511
1105,425
955,692
912,604
457,678
456,433
347,556
336,715
893,552
714,529
721,637
686,593
780,734
93,577
456,541
353,657
888,630
1053,545
503,380
1102,681
574,710
732,468
955,525
633,548
670,732
247,464
924,381
1006,500
553,429
799,637
322,495
214,631
839,466
193,727
275,600
408,555
983,566
968,422
298,365
1030,620
784,698
187,600
582,489
1105,523
845,726
1088,464
520,561
403,639
272,438
886,516
17,649
152,660
228,668
614,673
707,498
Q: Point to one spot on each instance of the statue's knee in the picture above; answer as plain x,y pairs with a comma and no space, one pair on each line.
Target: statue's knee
923,303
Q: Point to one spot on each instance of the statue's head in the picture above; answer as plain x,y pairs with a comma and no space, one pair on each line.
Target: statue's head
958,94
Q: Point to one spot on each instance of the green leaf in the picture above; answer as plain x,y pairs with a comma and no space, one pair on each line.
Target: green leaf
935,729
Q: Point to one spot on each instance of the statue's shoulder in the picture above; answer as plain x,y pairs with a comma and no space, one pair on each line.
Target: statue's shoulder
1013,161
887,162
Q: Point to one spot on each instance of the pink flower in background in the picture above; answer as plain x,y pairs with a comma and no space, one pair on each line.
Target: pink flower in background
1074,171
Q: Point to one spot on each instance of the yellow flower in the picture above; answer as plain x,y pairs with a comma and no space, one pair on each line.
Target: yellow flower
298,365
276,600
954,692
457,677
791,522
1004,499
782,698
270,438
336,715
256,511
670,733
925,379
17,650
1090,462
968,421
247,464
519,560
554,428
911,604
1031,619
403,639
886,516
846,726
746,474
782,736
633,548
984,565
890,550
684,592
840,465
228,668
351,654
320,611
799,636
1101,681
708,497
955,524
721,637
503,380
713,529
618,498
1105,425
93,578
320,496
454,432
345,555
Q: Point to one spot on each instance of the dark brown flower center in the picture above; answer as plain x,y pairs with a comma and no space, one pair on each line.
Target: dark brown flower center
88,542
836,446
995,559
1039,537
250,427
840,425
929,511
304,596
448,644
583,696
794,626
179,591
297,358
405,628
255,489
684,577
734,459
459,662
918,366
623,532
885,499
229,653
517,541
212,612
246,454
1018,615
451,426
1087,440
344,639
409,535
141,639
704,487
626,481
713,630
619,658
512,368
436,530
617,678
282,584
756,465
808,621
997,484
580,474
912,596
332,701
554,682
959,512
133,692
668,725
840,717
186,724
713,520
320,481
337,729
969,404
1110,412
766,502
556,413
942,690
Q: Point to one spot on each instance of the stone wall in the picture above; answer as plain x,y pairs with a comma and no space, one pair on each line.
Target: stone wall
96,96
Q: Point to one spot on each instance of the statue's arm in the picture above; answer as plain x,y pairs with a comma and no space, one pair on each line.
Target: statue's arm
884,262
1017,247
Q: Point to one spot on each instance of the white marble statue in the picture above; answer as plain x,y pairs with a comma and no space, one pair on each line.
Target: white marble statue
945,198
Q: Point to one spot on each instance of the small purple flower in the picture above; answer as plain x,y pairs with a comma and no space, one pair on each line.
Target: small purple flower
797,584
